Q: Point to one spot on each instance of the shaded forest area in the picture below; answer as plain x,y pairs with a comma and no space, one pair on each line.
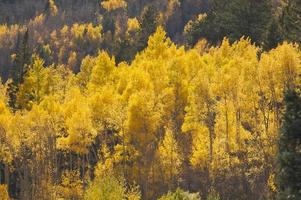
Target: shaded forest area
150,99
65,31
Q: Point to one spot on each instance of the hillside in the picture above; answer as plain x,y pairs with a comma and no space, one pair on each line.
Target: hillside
150,99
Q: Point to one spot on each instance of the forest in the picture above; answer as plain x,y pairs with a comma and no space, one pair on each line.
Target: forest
150,100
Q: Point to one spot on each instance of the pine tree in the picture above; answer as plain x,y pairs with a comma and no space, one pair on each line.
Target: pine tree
248,18
291,21
22,59
289,158
234,19
148,25
273,35
19,68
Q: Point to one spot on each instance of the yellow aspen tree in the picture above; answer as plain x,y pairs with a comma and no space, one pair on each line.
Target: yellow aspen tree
200,118
35,85
8,143
102,71
5,121
142,119
279,70
159,46
4,193
52,7
170,159
80,132
142,124
110,5
72,60
132,25
84,76
41,141
70,186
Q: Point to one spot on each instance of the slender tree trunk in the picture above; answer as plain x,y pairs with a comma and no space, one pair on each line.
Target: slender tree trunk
211,135
6,175
238,127
227,125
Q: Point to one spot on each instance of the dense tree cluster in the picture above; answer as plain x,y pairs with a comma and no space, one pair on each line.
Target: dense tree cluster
68,22
205,120
64,31
140,99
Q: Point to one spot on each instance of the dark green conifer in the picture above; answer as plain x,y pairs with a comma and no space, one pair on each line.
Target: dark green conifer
289,158
148,25
19,67
291,21
234,19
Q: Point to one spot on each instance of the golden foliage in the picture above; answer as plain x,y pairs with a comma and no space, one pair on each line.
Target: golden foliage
132,24
215,109
52,7
70,186
111,5
170,156
4,193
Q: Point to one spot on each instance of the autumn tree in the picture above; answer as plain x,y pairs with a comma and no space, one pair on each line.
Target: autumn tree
180,194
4,193
51,8
35,84
170,158
205,119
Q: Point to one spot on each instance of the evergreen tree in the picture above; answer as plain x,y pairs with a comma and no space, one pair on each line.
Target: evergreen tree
22,59
123,50
273,35
289,157
148,25
247,18
234,19
19,68
291,21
